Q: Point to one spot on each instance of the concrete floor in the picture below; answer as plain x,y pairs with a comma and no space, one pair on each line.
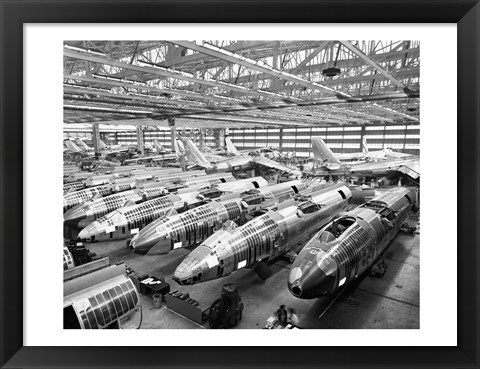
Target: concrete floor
388,302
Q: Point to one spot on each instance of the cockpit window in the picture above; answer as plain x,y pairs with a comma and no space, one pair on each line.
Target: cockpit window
309,207
254,199
389,214
212,194
336,229
375,205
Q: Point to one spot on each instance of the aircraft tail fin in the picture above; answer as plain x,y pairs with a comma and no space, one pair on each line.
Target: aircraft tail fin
82,145
364,145
193,153
322,152
101,145
179,148
231,149
157,145
71,147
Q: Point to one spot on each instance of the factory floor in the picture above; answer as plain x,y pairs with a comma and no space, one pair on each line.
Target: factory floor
391,301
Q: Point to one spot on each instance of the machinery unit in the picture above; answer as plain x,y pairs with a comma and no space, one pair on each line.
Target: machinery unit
226,312
104,298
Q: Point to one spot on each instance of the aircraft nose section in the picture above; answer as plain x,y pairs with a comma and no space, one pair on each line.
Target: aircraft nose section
309,279
296,289
196,267
144,241
75,214
90,230
183,274
314,283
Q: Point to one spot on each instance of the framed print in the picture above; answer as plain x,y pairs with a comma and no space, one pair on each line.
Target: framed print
215,180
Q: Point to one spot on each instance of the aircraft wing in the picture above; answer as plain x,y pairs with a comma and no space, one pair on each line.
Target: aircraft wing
244,152
352,156
275,165
396,154
112,152
410,167
213,158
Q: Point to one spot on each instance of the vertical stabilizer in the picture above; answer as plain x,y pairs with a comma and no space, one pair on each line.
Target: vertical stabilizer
193,154
322,152
364,145
102,145
82,145
157,146
179,148
231,149
72,148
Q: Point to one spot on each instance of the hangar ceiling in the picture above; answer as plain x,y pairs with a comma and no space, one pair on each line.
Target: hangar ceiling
219,84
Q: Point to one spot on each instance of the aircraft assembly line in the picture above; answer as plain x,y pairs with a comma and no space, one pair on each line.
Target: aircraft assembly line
175,206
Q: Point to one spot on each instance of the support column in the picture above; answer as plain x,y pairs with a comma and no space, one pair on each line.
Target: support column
171,124
202,139
280,139
219,135
96,139
362,135
140,140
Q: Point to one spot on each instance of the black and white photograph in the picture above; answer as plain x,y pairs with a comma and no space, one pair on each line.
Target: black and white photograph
241,184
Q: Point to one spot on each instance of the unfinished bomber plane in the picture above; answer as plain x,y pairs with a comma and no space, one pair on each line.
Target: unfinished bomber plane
130,219
194,226
263,238
239,162
349,245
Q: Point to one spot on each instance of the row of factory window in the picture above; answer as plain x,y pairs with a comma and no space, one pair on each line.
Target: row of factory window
325,138
374,142
327,135
328,129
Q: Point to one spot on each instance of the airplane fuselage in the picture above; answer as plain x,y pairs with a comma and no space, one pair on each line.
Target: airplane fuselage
348,246
264,237
196,225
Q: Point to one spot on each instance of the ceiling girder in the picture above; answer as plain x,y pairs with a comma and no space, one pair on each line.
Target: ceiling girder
255,65
160,100
372,63
308,58
197,105
183,93
342,63
238,59
164,72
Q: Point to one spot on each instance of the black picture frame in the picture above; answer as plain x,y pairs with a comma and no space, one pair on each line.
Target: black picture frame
466,13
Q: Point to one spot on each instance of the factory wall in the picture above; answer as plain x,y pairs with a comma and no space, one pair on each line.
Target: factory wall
163,137
402,138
